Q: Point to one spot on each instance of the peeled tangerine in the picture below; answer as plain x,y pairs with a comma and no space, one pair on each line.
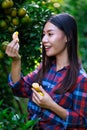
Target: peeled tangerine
37,88
15,36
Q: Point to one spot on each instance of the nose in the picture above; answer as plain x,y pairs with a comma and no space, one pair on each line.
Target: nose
44,39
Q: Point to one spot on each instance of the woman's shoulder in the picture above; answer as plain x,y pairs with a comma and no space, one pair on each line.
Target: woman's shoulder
83,72
82,76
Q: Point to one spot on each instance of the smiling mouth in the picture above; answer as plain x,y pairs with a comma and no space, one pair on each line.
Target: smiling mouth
47,48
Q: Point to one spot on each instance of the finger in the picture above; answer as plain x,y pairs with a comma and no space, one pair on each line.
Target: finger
13,43
41,88
16,48
10,51
36,93
11,46
35,99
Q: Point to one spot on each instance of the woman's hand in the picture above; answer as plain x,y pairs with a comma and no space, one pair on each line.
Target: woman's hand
47,102
12,49
42,101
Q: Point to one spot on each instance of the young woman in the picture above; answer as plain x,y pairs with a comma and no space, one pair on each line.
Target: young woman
60,75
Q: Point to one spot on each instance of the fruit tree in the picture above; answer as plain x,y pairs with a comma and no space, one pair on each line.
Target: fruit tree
26,17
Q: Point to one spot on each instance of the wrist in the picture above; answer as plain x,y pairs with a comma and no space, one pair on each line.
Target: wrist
15,59
51,104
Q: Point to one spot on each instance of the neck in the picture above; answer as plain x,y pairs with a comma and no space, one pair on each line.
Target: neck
61,62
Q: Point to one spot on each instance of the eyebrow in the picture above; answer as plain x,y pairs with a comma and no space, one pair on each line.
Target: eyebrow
49,30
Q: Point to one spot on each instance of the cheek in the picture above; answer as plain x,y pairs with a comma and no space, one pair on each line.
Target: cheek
59,43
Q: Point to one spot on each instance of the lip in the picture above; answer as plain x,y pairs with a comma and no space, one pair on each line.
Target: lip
47,48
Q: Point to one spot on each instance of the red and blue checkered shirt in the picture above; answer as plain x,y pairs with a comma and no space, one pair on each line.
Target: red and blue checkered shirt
75,102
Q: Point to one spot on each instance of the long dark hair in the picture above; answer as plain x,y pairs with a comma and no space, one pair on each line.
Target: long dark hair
66,23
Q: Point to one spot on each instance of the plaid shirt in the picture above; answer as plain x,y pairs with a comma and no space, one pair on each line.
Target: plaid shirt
75,101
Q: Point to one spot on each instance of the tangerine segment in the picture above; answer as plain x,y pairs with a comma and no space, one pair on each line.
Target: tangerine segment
15,36
36,87
41,93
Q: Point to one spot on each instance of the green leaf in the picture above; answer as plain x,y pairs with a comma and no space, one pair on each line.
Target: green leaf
5,111
30,123
1,102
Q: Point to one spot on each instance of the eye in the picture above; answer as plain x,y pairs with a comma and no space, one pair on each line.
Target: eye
43,35
50,34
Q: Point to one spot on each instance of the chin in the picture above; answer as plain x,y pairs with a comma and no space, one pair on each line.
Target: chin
49,55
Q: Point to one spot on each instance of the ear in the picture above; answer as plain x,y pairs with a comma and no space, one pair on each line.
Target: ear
65,39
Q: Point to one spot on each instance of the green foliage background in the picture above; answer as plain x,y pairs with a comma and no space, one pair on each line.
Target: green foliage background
30,38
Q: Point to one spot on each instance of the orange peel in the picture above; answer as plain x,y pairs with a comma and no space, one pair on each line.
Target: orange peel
37,88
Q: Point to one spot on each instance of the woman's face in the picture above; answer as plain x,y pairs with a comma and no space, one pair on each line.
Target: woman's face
54,40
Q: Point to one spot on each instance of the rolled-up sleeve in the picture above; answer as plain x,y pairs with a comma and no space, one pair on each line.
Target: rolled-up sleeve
22,88
76,113
77,117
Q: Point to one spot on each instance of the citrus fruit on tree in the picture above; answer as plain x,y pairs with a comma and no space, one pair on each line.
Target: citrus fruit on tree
13,12
25,19
1,54
3,24
8,18
11,3
11,29
5,4
15,21
4,44
22,12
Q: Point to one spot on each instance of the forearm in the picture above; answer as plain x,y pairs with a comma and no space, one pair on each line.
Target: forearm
16,70
60,111
72,118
